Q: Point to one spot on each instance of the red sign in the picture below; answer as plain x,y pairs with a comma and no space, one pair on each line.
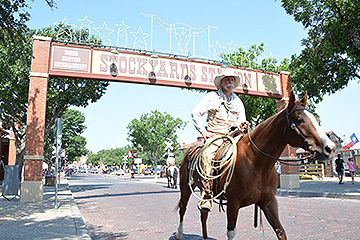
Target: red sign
130,154
62,153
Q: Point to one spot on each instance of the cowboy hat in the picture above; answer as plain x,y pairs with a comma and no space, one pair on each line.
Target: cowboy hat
217,80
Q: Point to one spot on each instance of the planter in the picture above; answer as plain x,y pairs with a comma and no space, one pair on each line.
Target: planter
49,180
306,178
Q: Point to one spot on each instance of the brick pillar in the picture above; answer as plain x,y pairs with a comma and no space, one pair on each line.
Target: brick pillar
12,149
289,174
32,185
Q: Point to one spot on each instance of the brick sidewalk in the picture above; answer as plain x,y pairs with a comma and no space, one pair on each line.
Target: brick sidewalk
40,220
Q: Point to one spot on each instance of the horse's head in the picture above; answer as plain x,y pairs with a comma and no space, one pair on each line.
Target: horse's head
304,131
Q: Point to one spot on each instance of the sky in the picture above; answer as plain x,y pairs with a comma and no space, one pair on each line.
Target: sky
219,26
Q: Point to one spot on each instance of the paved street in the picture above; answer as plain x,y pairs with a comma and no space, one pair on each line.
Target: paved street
115,208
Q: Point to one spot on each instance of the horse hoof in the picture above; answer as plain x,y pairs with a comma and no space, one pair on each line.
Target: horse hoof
176,238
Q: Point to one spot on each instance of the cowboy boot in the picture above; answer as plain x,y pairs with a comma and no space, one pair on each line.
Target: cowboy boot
206,203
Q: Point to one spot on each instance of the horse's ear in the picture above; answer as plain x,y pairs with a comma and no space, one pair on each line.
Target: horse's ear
304,100
291,100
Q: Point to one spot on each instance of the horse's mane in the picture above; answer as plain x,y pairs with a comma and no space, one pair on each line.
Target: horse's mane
269,120
265,123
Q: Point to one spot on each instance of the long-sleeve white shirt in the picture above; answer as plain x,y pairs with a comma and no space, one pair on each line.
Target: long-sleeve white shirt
212,103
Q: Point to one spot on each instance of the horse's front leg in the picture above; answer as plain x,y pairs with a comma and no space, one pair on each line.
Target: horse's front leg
204,216
185,193
271,212
169,180
232,214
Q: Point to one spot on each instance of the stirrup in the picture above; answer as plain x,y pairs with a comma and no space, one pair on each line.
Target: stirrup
205,205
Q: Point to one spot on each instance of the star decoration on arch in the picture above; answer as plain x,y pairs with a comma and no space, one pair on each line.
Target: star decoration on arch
232,46
122,33
217,49
271,63
122,28
104,32
140,37
85,23
64,29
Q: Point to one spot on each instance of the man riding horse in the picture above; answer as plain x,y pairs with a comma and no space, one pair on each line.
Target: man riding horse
171,171
225,111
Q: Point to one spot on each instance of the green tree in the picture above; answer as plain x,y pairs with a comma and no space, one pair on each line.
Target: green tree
113,156
15,63
257,109
13,17
72,141
151,131
331,57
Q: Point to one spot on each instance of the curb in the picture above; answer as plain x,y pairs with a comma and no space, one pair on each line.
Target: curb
290,192
80,227
297,193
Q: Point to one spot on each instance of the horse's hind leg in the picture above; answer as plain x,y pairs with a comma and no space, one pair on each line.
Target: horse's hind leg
271,212
168,179
175,178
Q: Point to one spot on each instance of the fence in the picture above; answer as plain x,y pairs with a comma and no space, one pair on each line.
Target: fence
312,170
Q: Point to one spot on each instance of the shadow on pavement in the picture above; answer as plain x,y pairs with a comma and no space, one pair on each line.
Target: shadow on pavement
97,233
82,188
191,237
123,194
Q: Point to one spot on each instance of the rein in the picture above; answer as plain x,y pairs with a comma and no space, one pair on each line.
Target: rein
293,126
270,156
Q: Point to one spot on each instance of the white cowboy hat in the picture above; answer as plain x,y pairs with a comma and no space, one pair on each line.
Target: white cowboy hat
217,80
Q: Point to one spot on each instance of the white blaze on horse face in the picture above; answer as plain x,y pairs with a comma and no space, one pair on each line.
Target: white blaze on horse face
324,138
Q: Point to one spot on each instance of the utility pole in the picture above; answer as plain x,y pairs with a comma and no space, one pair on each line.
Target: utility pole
58,138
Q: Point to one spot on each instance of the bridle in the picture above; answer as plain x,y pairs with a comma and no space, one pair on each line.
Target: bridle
292,125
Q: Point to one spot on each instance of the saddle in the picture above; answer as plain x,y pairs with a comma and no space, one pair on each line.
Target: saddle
225,147
222,161
235,133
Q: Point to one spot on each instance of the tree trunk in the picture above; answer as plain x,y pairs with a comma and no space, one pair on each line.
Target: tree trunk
20,153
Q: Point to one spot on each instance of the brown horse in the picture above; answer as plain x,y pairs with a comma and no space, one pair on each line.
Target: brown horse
255,179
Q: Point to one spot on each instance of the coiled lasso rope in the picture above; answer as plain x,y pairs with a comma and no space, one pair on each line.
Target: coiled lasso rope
228,161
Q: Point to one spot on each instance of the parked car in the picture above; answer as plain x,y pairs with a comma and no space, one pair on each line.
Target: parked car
146,171
83,170
94,170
